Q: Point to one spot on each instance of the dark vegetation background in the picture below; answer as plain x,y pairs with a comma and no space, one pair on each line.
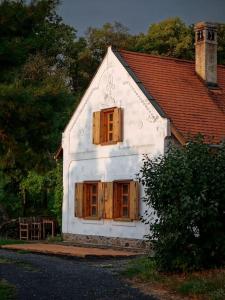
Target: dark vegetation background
45,69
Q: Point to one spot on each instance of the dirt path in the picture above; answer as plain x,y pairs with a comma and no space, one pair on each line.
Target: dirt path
47,277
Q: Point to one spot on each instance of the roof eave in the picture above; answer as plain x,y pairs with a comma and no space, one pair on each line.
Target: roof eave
178,135
59,153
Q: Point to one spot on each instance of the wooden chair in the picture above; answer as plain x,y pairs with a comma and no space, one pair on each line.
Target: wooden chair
36,229
24,228
48,225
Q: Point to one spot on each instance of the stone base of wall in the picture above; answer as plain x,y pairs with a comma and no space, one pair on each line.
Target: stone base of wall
106,242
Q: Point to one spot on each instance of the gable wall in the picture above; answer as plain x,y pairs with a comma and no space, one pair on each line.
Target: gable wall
144,132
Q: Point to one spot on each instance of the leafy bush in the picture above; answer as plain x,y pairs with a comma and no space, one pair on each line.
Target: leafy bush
44,192
186,190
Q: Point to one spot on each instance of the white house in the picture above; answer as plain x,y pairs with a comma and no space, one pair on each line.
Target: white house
133,106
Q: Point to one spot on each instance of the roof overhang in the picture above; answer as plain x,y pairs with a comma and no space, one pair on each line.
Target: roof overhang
59,153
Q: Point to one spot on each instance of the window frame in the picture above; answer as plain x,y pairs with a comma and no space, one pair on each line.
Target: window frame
116,184
103,131
85,202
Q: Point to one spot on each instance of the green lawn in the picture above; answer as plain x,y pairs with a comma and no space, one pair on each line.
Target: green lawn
207,285
4,241
7,291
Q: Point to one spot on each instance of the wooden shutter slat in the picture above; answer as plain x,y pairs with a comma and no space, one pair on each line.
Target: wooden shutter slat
96,128
79,191
100,200
108,200
117,125
134,200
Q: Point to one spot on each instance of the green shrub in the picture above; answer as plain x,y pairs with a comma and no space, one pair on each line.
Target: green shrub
185,191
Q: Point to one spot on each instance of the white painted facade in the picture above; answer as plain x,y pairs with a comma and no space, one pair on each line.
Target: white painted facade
144,132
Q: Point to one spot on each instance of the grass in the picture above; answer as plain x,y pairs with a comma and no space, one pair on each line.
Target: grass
207,285
7,291
23,251
4,241
54,239
143,268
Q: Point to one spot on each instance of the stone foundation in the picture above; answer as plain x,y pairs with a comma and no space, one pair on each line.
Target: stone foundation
106,242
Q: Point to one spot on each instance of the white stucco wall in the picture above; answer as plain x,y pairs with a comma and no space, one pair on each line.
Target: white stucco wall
144,132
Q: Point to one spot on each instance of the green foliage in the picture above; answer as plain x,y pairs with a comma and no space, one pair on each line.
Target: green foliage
170,37
221,44
98,39
44,193
186,190
10,241
55,239
58,193
35,101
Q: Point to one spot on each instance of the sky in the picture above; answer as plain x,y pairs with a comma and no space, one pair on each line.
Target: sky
137,15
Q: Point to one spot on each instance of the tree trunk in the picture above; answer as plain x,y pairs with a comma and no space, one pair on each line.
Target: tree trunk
3,214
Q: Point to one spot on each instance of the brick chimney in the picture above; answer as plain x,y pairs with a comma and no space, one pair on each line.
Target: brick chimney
206,52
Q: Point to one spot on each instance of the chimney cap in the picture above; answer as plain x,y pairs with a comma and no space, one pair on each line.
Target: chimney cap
204,25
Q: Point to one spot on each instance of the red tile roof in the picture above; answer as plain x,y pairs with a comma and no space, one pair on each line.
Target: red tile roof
190,105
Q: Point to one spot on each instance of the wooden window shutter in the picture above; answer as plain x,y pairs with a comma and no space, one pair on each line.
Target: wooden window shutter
117,125
116,201
100,200
79,192
134,200
108,200
96,128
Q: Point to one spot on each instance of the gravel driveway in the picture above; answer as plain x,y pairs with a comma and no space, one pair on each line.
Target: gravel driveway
48,277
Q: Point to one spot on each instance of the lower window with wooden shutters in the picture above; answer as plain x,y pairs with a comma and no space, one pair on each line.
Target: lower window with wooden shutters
89,200
118,200
125,199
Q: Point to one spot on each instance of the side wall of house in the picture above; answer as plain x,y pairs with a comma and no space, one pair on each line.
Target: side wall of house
144,132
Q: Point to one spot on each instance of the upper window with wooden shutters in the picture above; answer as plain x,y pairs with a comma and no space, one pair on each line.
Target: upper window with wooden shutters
107,126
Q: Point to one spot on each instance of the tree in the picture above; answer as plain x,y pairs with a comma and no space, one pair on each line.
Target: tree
170,37
35,90
221,43
98,39
186,190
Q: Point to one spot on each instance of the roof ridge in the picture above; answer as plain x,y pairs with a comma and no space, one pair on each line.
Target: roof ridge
156,56
162,57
